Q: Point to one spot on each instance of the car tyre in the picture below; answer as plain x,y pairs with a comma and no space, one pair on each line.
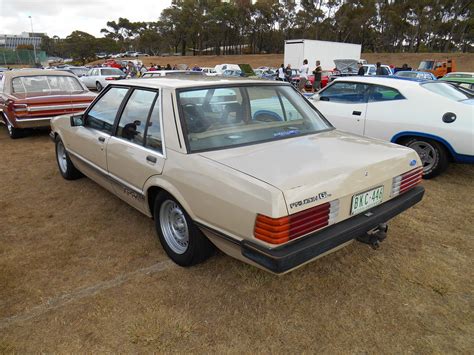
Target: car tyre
14,132
65,165
433,155
98,86
181,239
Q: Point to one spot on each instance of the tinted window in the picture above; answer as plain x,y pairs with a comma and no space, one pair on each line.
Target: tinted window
153,134
112,71
345,92
134,116
102,114
383,93
224,117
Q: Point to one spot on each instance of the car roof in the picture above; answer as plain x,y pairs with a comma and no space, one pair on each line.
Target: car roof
397,81
193,81
35,72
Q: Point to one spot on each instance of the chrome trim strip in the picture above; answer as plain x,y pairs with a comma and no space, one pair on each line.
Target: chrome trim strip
55,107
41,119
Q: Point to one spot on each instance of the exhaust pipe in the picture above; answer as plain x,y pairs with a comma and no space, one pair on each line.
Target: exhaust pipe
375,236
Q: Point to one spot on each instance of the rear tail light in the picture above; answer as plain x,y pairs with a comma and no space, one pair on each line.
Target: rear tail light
404,182
110,78
20,107
284,229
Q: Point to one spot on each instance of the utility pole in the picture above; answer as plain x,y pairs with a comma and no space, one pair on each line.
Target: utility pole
33,33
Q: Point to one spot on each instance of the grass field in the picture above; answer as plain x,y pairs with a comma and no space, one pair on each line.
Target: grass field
82,272
465,61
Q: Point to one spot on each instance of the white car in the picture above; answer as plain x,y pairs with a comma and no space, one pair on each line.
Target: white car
99,78
434,118
371,69
209,71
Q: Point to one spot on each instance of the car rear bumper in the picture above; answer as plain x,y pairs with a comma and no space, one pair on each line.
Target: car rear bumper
32,122
286,257
294,254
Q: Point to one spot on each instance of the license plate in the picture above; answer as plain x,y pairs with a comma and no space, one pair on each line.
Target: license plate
366,200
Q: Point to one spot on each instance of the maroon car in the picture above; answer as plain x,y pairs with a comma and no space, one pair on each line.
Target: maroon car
30,98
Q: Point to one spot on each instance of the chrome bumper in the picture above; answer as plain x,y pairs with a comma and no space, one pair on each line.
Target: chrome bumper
32,122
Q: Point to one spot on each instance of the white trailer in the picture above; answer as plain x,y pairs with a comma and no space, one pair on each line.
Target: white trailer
297,50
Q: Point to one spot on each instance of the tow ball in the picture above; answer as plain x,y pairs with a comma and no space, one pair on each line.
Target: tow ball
375,236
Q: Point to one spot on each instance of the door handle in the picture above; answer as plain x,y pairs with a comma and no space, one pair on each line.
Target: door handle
151,159
356,113
101,139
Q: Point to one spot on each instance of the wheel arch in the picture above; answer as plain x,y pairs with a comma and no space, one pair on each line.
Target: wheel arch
402,136
154,186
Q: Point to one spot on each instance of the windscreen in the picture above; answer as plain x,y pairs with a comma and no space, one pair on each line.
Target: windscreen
426,65
112,71
222,117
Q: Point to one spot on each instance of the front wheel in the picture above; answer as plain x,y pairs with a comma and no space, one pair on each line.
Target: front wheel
66,167
181,239
432,154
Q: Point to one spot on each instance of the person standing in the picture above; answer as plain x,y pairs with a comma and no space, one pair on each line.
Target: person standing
281,73
361,71
304,71
380,70
318,71
288,73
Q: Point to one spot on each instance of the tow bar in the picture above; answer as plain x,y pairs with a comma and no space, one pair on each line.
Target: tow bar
375,236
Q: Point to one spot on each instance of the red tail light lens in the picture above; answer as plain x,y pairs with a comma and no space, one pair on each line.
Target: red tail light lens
20,107
406,181
110,78
284,229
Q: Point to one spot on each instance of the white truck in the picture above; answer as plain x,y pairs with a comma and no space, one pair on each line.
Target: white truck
297,50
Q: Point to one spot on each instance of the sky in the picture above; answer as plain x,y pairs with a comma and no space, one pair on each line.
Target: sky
61,17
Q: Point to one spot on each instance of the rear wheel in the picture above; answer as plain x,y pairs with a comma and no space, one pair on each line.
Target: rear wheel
13,132
98,86
182,240
66,167
433,156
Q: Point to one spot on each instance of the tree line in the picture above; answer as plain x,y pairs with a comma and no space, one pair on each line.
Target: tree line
241,26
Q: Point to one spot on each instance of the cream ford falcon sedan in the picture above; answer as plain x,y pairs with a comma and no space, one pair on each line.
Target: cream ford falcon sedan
247,166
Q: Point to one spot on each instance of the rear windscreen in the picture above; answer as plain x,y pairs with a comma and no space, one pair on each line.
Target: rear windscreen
46,84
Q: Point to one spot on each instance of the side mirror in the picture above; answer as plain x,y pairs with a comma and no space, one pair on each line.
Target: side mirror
77,121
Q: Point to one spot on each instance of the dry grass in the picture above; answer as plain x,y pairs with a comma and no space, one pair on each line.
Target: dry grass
414,295
465,61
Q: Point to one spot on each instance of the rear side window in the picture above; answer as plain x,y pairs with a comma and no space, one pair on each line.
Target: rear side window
102,114
345,92
153,133
132,123
380,93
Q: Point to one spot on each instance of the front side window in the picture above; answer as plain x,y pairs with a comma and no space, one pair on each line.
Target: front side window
345,92
102,114
380,93
222,117
132,123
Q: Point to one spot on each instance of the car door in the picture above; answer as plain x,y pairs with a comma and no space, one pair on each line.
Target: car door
88,80
88,143
344,104
135,152
386,111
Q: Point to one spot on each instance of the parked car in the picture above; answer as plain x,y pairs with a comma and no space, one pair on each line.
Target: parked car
432,117
30,98
232,73
140,54
209,71
245,165
77,71
326,75
415,75
98,78
168,73
462,79
371,69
